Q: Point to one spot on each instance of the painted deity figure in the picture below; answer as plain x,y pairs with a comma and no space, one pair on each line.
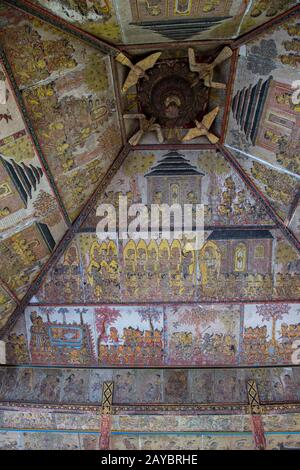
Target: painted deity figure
130,268
39,341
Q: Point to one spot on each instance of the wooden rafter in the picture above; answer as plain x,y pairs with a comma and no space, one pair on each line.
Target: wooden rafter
229,92
63,25
117,87
175,147
175,45
9,291
68,237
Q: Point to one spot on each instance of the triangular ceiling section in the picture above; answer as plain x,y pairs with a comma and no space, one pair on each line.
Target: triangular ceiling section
143,21
68,92
278,187
263,130
31,219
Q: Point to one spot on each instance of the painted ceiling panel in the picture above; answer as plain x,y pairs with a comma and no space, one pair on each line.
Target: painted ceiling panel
262,11
280,188
229,310
180,335
89,421
264,118
269,270
133,386
68,92
214,184
24,254
154,21
134,389
31,220
97,17
7,306
241,245
26,195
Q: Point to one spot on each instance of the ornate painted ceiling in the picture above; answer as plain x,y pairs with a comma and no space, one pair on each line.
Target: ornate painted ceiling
182,101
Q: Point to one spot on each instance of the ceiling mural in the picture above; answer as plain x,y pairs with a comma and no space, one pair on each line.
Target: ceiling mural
67,431
154,21
203,177
257,261
151,386
279,187
69,96
183,103
31,221
96,17
258,264
178,335
264,117
7,306
198,441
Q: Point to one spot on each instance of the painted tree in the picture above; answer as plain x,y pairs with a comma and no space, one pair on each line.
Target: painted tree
198,318
285,254
273,312
151,315
105,316
81,312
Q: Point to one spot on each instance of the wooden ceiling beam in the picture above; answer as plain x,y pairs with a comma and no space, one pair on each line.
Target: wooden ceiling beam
117,88
68,237
9,291
175,45
174,146
229,92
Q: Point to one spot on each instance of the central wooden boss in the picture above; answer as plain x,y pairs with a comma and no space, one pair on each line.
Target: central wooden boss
173,95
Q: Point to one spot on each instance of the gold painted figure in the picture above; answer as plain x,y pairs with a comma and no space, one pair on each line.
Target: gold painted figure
146,125
206,71
203,128
138,70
